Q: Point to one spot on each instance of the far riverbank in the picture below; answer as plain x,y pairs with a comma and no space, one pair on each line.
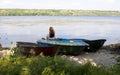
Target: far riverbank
52,12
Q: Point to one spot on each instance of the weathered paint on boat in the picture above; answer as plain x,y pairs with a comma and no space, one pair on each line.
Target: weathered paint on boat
66,46
61,42
28,48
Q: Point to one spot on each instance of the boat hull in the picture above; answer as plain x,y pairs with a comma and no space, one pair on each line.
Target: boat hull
94,45
66,46
71,50
27,48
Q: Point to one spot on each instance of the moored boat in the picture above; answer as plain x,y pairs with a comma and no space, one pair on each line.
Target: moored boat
28,48
66,46
94,45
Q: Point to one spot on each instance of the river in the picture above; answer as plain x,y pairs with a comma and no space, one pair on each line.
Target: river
33,28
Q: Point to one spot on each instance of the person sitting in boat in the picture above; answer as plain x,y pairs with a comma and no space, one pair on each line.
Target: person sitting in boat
51,34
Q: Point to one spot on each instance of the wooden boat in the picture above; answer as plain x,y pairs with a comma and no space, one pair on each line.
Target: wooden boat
66,46
28,48
94,45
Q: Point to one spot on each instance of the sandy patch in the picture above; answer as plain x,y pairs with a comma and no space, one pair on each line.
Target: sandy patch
6,52
101,57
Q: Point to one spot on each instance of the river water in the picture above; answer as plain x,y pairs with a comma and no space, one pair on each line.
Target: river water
33,28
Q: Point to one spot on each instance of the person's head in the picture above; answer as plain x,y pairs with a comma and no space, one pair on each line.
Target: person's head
51,29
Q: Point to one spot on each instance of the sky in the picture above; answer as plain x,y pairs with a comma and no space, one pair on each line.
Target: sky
62,4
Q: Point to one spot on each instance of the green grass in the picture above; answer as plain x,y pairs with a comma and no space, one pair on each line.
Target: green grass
48,12
45,65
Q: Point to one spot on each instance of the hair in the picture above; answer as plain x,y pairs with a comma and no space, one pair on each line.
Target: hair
51,30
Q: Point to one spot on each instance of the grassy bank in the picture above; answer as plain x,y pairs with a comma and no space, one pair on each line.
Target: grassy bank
41,65
44,65
38,12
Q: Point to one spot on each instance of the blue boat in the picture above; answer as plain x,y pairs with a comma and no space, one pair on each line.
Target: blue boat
66,46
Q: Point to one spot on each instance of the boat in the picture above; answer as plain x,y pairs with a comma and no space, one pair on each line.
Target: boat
66,46
94,45
60,46
28,48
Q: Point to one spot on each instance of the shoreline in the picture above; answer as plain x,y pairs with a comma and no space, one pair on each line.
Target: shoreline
52,12
105,56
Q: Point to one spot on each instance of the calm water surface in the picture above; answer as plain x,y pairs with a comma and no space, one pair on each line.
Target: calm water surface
33,28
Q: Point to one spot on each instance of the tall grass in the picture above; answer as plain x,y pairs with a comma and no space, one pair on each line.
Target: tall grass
45,65
41,65
38,12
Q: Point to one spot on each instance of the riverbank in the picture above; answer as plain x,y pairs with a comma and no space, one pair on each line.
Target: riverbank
51,12
105,56
102,57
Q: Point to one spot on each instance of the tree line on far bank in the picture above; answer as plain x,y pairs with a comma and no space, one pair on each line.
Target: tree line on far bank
50,12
